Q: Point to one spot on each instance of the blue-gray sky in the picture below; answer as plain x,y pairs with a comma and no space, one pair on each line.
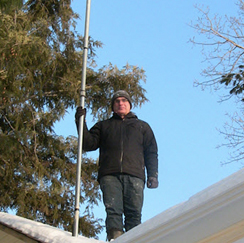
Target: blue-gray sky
155,35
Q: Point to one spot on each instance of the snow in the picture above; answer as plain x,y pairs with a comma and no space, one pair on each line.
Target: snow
214,209
202,215
41,232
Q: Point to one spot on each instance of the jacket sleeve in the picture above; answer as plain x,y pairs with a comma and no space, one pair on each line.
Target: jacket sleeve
150,152
91,138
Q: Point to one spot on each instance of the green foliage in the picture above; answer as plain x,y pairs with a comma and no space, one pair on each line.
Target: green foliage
235,80
10,5
40,72
101,86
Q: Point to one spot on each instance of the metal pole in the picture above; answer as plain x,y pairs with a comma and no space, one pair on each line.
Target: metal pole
81,122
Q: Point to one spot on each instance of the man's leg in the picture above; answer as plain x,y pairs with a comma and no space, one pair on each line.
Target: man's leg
113,200
133,201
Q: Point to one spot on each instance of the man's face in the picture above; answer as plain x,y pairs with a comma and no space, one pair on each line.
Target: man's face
121,106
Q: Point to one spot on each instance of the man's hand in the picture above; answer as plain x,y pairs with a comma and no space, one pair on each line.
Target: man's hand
152,182
80,112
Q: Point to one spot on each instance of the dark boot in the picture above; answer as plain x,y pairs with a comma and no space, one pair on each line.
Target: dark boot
113,234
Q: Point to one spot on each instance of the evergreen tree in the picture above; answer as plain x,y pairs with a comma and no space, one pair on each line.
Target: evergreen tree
40,72
10,5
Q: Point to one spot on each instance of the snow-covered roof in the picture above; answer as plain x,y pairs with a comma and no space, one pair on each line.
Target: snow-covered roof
214,215
26,230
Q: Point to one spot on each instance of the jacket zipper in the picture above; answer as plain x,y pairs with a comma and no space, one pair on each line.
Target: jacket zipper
122,146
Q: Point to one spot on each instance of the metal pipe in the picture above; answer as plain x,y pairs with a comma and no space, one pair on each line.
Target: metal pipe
81,122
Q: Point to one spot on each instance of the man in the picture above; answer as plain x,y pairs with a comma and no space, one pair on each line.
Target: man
126,146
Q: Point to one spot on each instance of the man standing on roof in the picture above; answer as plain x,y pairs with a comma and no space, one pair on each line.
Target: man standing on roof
126,147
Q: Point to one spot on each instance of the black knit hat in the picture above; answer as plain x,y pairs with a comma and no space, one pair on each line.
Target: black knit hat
120,93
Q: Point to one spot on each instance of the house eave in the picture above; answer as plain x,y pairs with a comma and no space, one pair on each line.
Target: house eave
217,210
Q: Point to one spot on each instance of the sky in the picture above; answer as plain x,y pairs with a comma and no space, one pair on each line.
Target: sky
155,35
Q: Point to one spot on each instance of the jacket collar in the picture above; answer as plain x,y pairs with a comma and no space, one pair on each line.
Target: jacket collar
128,116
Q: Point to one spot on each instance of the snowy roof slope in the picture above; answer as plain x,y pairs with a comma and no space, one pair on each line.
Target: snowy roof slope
40,232
214,215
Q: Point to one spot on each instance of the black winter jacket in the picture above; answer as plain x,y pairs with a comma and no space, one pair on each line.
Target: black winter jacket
125,146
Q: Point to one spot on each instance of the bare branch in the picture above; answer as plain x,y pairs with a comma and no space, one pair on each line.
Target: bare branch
222,42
